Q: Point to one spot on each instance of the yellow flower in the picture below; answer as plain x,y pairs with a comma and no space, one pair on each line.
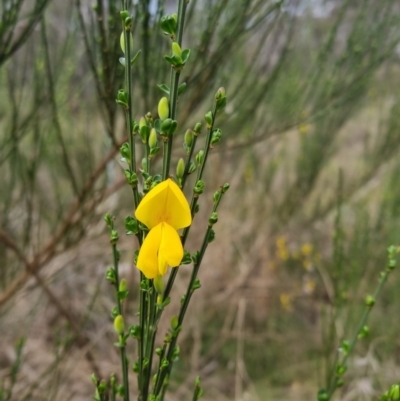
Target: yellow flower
164,210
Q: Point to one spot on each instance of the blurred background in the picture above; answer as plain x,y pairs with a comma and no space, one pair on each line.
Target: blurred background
311,138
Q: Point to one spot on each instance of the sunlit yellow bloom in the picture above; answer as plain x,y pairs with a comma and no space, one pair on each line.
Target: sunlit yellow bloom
164,210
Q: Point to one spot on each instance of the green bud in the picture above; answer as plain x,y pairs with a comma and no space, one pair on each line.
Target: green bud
220,94
124,14
369,301
110,275
176,49
168,127
131,178
216,136
144,164
213,218
187,258
159,285
217,196
153,138
322,395
209,119
128,23
199,188
114,237
131,225
364,332
174,322
122,285
344,347
197,128
175,354
394,393
144,133
211,236
188,141
122,42
102,387
192,167
168,24
119,325
225,187
142,122
341,370
220,99
122,98
125,151
108,219
196,285
175,17
95,379
163,108
200,157
180,168
135,331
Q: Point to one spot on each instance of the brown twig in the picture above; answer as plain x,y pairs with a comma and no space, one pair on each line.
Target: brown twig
44,255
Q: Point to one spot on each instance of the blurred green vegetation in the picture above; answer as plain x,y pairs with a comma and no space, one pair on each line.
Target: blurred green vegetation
311,138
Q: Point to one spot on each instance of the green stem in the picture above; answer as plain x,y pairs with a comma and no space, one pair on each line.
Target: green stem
188,160
128,111
141,339
189,292
163,373
364,318
173,98
124,361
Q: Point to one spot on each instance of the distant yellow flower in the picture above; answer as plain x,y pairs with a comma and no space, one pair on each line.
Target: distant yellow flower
307,249
286,301
164,210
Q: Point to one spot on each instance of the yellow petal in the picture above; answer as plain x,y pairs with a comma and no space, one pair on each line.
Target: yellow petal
165,203
147,260
171,250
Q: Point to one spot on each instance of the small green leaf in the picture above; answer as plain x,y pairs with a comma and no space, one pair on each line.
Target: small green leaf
164,88
182,88
133,60
185,55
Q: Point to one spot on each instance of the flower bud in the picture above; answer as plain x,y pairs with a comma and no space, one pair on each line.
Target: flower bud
153,138
213,218
142,122
199,157
159,285
216,136
124,14
119,325
176,49
209,119
174,322
122,285
163,108
122,42
199,188
180,168
220,99
369,301
197,128
188,141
